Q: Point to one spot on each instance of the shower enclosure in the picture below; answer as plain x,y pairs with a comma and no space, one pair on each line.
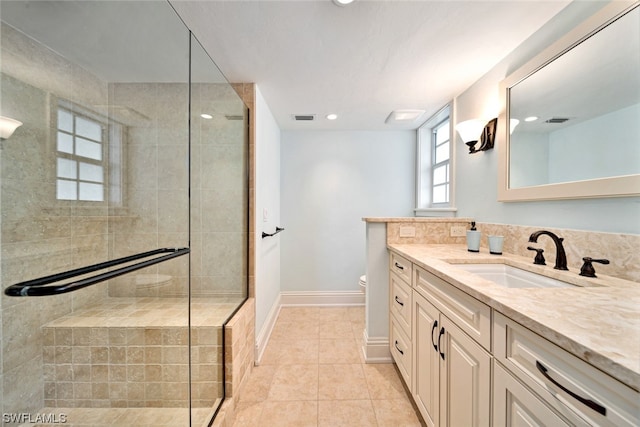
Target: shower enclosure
123,216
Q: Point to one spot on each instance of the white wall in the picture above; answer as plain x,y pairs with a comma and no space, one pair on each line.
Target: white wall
476,174
330,181
267,260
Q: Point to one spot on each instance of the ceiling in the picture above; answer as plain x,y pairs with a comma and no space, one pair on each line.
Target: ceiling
361,61
364,60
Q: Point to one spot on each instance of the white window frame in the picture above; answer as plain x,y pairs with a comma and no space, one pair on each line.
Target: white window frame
112,144
425,156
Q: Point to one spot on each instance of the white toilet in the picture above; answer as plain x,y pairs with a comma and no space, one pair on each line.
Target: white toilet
363,283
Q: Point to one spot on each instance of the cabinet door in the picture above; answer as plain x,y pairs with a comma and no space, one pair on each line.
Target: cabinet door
465,378
514,405
426,365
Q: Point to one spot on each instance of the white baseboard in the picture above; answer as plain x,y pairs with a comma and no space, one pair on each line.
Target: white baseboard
376,350
262,339
336,298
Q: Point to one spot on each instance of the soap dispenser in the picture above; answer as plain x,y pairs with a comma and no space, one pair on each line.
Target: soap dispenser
473,238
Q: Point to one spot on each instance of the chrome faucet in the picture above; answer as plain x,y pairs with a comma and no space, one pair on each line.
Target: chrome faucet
561,256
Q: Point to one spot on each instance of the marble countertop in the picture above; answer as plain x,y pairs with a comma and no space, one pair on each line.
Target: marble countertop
597,321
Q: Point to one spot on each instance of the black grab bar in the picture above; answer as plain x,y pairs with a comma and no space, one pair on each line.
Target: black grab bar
36,287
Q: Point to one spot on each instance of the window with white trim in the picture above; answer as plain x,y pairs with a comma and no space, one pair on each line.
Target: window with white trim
434,168
84,158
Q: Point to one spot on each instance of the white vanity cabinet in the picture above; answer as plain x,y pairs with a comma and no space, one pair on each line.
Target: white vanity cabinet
400,302
450,372
578,393
468,365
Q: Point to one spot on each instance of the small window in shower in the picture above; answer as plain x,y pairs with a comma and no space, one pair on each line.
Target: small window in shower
82,171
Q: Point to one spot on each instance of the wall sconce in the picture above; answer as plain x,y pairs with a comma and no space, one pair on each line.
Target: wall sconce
512,125
7,127
470,130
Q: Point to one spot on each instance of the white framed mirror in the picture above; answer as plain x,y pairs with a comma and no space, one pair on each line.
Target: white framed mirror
577,109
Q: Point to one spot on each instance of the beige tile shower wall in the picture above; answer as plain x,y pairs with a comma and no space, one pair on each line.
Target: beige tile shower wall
239,348
239,356
155,210
427,230
128,367
620,249
39,235
222,185
247,92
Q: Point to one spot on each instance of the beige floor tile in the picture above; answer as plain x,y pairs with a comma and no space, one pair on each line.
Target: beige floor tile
395,412
257,387
295,330
294,382
285,352
383,381
289,414
247,414
298,314
356,314
338,351
335,329
346,413
334,313
342,382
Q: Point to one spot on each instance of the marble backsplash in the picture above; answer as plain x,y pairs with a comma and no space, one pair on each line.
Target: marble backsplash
620,249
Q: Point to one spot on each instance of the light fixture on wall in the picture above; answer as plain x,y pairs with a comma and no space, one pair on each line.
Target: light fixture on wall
471,130
512,125
8,126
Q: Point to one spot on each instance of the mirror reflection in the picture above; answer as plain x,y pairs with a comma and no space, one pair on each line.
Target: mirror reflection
579,114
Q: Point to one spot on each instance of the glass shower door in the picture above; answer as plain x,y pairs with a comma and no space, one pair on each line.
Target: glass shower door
97,172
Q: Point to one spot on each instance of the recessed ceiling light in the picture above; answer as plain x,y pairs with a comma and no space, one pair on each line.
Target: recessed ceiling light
206,116
342,2
332,116
531,119
404,116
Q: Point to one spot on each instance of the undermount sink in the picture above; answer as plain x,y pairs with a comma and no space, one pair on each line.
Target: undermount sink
512,277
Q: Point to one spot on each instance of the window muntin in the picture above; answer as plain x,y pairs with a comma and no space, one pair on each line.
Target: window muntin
80,169
440,163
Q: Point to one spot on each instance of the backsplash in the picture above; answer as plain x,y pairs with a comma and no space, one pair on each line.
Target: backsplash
620,249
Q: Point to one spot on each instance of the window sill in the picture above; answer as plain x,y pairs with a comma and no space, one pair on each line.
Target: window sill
436,212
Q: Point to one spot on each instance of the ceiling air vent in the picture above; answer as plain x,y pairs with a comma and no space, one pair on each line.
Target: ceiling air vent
303,117
234,117
557,120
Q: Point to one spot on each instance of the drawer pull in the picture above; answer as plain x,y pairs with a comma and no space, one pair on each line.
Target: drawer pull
397,348
399,266
590,403
399,302
439,346
433,328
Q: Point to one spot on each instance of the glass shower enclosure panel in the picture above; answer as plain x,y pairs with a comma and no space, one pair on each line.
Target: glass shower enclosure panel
219,223
94,188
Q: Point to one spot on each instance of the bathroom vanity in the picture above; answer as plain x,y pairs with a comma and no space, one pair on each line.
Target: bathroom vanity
476,353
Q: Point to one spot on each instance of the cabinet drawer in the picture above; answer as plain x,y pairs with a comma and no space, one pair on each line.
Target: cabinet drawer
515,405
471,315
400,303
574,388
400,346
401,266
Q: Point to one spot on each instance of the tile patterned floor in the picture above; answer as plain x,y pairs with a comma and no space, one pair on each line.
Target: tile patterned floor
313,374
